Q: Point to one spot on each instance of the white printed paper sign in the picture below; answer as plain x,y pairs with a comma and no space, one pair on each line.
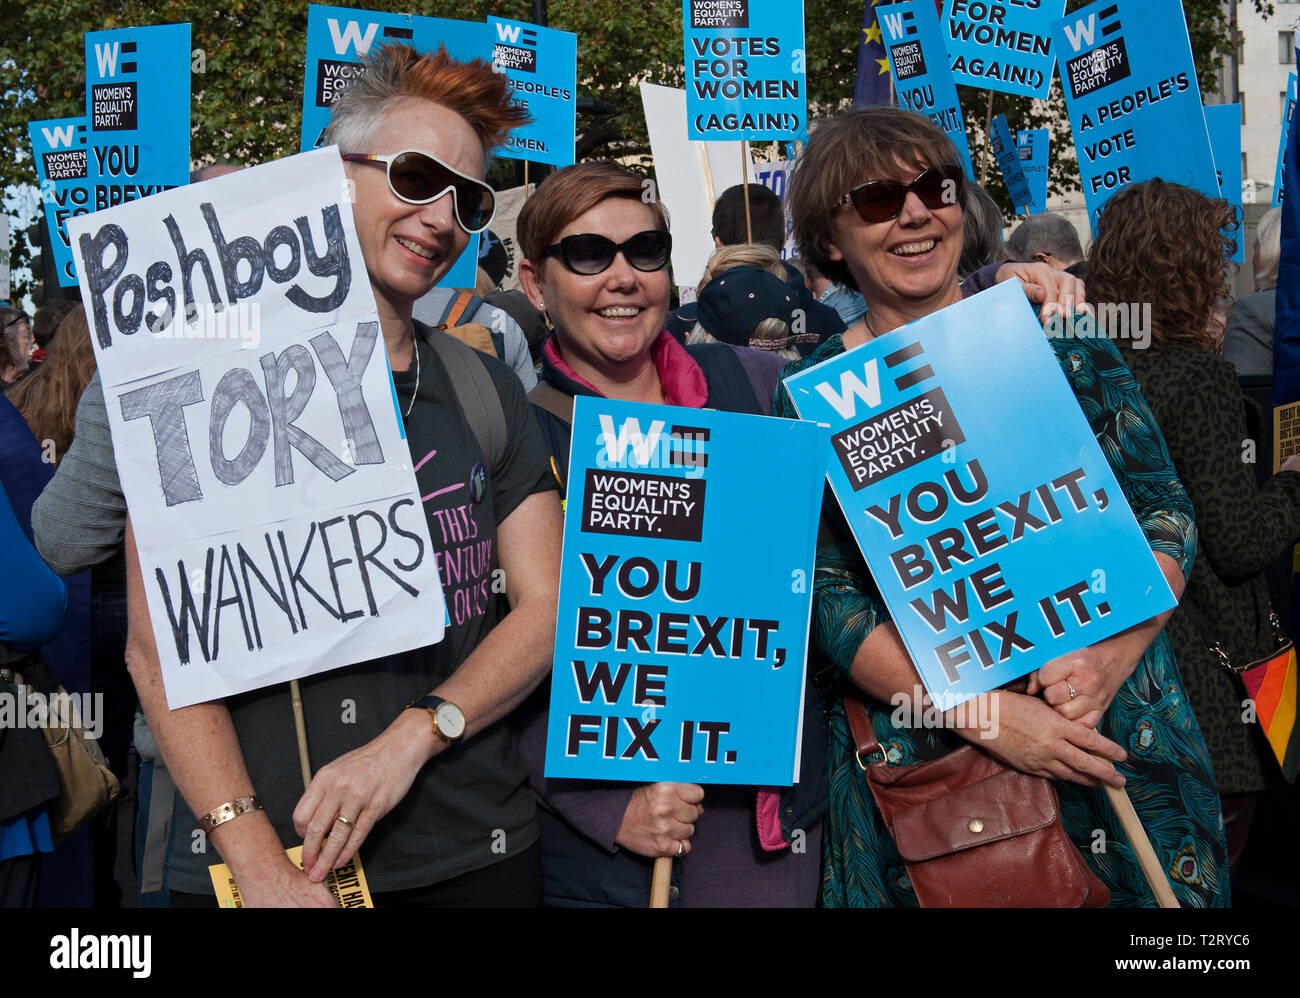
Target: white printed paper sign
276,514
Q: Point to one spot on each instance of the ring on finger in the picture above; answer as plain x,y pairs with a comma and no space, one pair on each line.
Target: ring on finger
681,848
344,820
1073,692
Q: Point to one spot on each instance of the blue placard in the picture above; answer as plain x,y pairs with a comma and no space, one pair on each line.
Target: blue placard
1130,87
59,150
922,78
1279,175
682,631
1224,124
138,110
985,509
338,38
1002,46
1007,153
745,74
1033,144
542,67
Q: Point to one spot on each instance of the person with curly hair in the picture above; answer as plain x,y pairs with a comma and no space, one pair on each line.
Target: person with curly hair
1166,246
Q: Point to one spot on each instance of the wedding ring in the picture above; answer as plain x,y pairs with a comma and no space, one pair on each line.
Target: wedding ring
1073,692
681,848
344,820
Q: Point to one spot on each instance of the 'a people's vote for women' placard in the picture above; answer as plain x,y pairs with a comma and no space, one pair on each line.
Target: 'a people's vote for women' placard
685,592
276,513
988,515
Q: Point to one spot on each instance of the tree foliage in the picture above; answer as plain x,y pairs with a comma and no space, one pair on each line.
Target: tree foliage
247,83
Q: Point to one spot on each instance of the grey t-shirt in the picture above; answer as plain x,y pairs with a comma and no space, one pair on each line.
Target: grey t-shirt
470,807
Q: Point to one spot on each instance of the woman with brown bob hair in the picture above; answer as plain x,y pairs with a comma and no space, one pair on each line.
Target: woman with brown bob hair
48,397
596,249
877,203
1165,247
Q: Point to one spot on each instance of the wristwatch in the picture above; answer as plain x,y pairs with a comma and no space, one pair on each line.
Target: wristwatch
448,720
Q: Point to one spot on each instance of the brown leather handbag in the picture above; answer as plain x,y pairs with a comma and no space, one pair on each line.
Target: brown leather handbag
974,833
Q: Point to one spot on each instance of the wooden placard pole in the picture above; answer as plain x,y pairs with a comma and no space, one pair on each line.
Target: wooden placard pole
988,126
744,179
660,881
1146,855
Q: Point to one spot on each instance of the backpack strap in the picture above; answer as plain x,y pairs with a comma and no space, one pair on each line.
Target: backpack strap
475,391
460,309
547,396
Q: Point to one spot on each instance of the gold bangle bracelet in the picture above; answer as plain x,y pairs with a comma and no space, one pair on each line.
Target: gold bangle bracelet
230,809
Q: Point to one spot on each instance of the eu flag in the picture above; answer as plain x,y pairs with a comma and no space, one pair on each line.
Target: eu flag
873,64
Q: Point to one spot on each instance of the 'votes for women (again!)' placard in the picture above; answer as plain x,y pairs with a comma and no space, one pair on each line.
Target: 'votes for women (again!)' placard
990,519
276,513
685,593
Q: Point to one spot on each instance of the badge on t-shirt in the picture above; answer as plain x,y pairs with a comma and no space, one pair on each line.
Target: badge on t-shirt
477,481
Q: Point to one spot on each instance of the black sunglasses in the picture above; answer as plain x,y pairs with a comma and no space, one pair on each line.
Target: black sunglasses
419,178
589,254
883,200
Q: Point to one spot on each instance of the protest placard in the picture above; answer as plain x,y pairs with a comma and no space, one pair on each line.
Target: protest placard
1033,145
60,154
1279,174
983,505
138,110
684,602
276,514
542,67
1002,46
773,175
1223,122
1130,87
745,74
1007,153
338,38
922,78
688,178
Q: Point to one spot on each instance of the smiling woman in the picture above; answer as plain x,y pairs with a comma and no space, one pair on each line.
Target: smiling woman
439,827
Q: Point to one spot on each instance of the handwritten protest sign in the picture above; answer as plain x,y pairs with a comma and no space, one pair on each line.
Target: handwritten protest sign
1279,175
684,603
745,74
59,150
1033,146
138,109
1130,87
542,67
920,66
338,38
1223,121
1002,46
1007,153
276,513
990,519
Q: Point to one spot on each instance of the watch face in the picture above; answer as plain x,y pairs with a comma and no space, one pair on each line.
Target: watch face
451,722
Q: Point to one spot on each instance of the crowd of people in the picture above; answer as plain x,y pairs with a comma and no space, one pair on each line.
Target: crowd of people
438,782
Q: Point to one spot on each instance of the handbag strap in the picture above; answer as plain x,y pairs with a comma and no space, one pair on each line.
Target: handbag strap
1197,621
864,738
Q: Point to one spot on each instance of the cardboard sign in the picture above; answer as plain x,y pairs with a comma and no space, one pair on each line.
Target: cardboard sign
745,75
276,513
684,604
63,173
688,178
922,78
338,38
1033,144
983,505
773,175
542,67
1007,153
1279,175
1286,433
138,109
347,883
1130,87
1223,121
1002,46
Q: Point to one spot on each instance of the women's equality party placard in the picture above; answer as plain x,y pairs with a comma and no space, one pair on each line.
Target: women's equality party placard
138,109
685,593
276,513
1279,175
921,74
60,155
1033,144
1004,46
1223,121
745,70
542,67
991,521
1135,107
338,38
1007,153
